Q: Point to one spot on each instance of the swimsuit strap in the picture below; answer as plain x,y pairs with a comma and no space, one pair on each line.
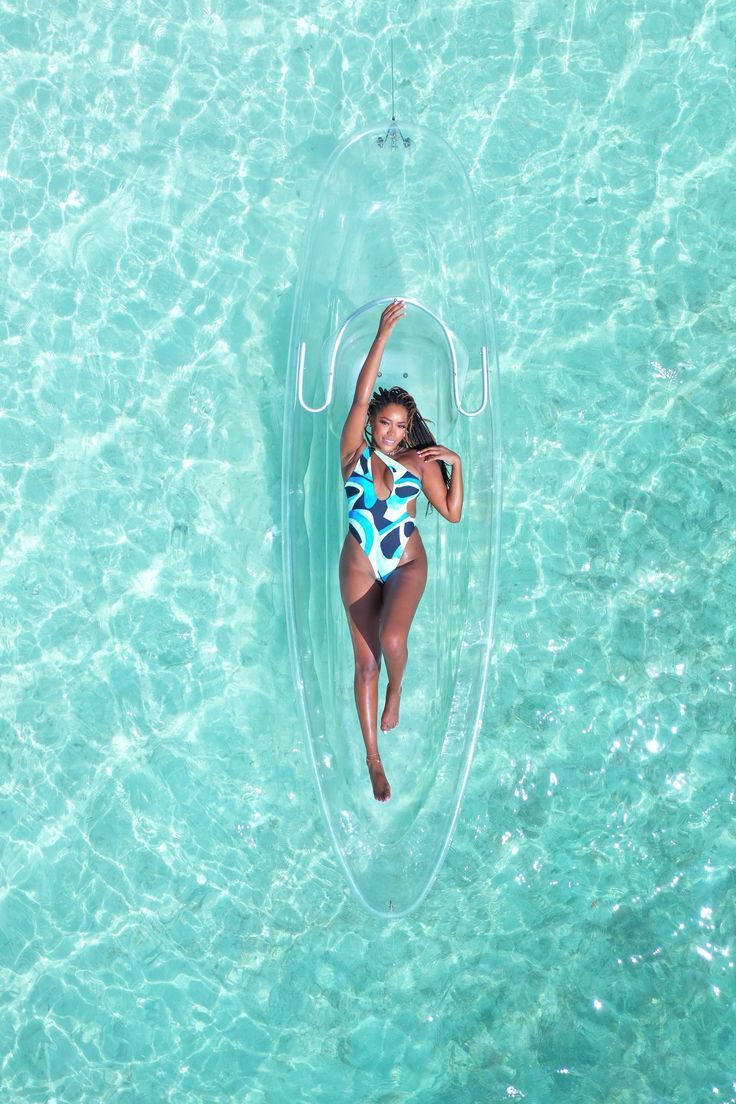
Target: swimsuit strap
390,461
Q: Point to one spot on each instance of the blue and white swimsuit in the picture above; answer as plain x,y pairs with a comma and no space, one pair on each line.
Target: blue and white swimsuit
381,526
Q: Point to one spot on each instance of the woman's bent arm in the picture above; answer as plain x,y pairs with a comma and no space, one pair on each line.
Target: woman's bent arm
448,500
455,492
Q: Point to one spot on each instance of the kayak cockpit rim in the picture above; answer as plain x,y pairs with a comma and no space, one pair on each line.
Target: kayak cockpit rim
302,351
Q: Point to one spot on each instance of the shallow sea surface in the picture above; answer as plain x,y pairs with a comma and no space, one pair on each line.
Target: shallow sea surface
173,924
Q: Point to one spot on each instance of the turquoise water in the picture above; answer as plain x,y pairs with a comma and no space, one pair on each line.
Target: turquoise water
173,925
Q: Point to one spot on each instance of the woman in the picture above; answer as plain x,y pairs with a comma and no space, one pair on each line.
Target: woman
388,455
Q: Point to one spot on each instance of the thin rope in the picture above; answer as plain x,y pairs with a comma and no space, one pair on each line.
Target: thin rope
393,112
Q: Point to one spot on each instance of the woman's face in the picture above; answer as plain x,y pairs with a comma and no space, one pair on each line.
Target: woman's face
389,427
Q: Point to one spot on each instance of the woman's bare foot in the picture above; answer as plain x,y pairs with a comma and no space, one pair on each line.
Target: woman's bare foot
390,715
381,788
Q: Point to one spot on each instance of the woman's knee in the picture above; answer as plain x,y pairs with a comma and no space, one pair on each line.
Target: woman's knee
393,643
366,669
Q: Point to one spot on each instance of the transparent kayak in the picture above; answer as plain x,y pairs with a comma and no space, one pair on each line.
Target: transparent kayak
394,216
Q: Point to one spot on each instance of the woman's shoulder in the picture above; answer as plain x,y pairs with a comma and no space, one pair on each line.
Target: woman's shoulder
412,461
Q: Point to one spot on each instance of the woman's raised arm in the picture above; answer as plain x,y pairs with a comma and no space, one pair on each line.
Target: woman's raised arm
352,432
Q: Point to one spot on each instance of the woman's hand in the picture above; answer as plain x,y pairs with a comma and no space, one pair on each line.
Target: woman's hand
438,452
393,312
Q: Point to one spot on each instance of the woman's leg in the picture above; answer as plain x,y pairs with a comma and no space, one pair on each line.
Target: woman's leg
361,596
402,592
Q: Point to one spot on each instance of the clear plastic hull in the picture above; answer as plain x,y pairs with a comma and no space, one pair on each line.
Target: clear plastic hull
392,221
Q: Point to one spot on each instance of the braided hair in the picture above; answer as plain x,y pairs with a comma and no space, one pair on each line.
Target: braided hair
417,433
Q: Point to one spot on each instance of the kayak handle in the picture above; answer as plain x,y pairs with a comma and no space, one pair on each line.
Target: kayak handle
341,334
300,381
484,370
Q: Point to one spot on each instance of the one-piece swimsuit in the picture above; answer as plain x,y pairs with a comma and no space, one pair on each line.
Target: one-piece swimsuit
381,526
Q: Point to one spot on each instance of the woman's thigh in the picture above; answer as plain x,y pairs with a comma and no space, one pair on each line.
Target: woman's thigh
362,596
402,593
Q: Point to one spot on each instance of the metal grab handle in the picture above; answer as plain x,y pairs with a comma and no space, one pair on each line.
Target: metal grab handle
341,334
300,381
